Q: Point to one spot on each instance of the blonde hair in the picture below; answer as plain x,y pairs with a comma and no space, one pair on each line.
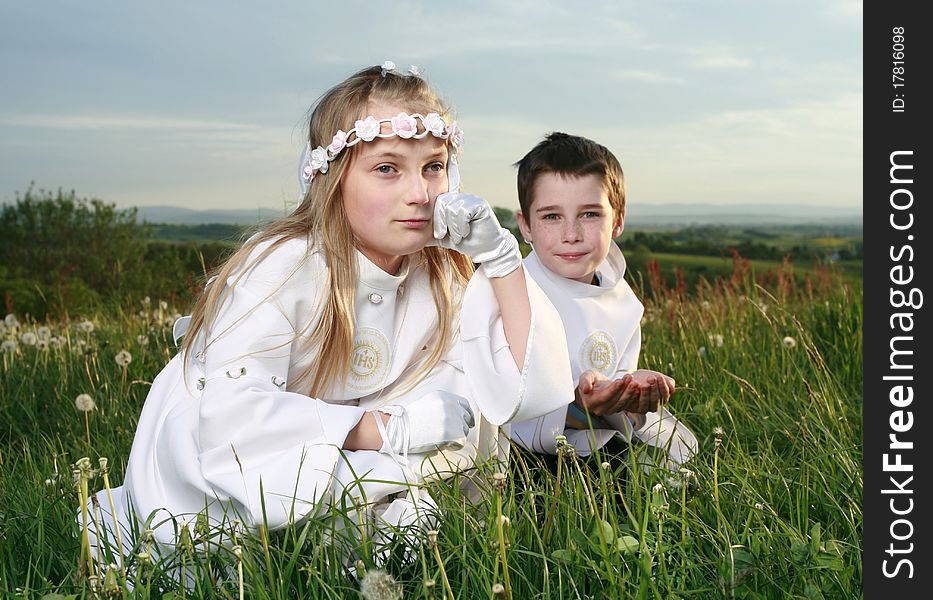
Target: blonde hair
320,219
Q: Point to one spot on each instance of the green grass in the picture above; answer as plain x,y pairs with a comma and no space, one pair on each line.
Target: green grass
775,511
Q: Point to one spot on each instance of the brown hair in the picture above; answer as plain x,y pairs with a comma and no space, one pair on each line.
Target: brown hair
320,219
573,156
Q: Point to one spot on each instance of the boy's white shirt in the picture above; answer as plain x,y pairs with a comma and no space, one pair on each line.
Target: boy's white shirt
603,331
235,422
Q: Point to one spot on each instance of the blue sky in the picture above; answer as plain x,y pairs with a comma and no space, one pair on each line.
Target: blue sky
201,104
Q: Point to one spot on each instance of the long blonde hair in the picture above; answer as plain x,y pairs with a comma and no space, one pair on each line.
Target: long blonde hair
320,219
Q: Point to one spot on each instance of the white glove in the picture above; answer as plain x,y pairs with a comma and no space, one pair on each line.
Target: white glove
467,224
438,420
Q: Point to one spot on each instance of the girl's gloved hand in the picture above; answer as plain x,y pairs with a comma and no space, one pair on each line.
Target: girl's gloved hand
467,224
438,420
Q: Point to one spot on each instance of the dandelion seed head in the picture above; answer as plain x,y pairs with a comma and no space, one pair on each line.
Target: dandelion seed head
716,339
163,305
85,403
123,358
789,342
42,345
657,488
705,305
8,346
702,351
429,583
379,585
606,466
3,329
86,326
142,340
11,321
146,301
719,432
505,520
43,332
498,589
28,338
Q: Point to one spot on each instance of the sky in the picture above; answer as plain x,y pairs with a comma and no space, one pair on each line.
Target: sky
203,104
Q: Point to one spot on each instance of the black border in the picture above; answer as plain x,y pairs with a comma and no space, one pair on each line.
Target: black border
886,131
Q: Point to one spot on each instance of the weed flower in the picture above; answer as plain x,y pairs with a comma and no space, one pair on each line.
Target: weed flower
379,585
429,583
10,321
42,345
719,432
146,301
432,537
44,332
55,341
84,403
705,305
658,488
498,481
716,339
759,506
142,340
505,520
606,466
8,346
87,326
123,358
789,342
702,351
28,339
498,589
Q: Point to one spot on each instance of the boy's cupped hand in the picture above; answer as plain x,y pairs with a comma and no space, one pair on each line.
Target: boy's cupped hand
639,392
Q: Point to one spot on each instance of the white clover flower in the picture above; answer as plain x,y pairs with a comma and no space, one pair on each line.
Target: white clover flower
123,358
28,338
10,321
716,339
44,332
8,346
86,326
789,342
379,585
85,403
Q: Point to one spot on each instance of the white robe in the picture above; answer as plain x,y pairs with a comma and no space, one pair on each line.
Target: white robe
233,436
603,328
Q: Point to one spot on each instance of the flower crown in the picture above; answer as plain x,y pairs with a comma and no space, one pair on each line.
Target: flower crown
405,126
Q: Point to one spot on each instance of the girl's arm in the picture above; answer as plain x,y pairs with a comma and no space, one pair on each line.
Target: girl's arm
512,295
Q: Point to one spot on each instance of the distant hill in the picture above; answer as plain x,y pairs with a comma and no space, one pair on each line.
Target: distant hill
639,215
177,215
682,215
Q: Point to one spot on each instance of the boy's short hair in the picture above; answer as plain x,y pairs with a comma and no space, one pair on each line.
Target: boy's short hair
574,156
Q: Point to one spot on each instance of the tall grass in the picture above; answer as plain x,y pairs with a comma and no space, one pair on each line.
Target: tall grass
769,379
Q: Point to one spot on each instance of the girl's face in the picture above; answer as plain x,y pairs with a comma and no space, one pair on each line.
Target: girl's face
389,189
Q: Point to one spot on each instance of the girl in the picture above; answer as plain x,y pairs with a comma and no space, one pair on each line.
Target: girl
348,338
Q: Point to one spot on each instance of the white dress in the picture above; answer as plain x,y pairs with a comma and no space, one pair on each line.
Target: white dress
232,438
603,329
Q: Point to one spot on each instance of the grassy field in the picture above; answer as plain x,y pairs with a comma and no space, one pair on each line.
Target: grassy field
770,379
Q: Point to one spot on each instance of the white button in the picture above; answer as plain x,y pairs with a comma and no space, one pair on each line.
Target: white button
375,298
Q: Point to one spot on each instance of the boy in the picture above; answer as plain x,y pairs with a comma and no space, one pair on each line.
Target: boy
572,200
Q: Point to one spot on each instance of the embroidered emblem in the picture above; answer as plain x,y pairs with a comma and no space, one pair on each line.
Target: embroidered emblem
598,353
370,359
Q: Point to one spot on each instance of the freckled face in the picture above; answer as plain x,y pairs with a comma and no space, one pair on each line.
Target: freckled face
389,189
571,224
